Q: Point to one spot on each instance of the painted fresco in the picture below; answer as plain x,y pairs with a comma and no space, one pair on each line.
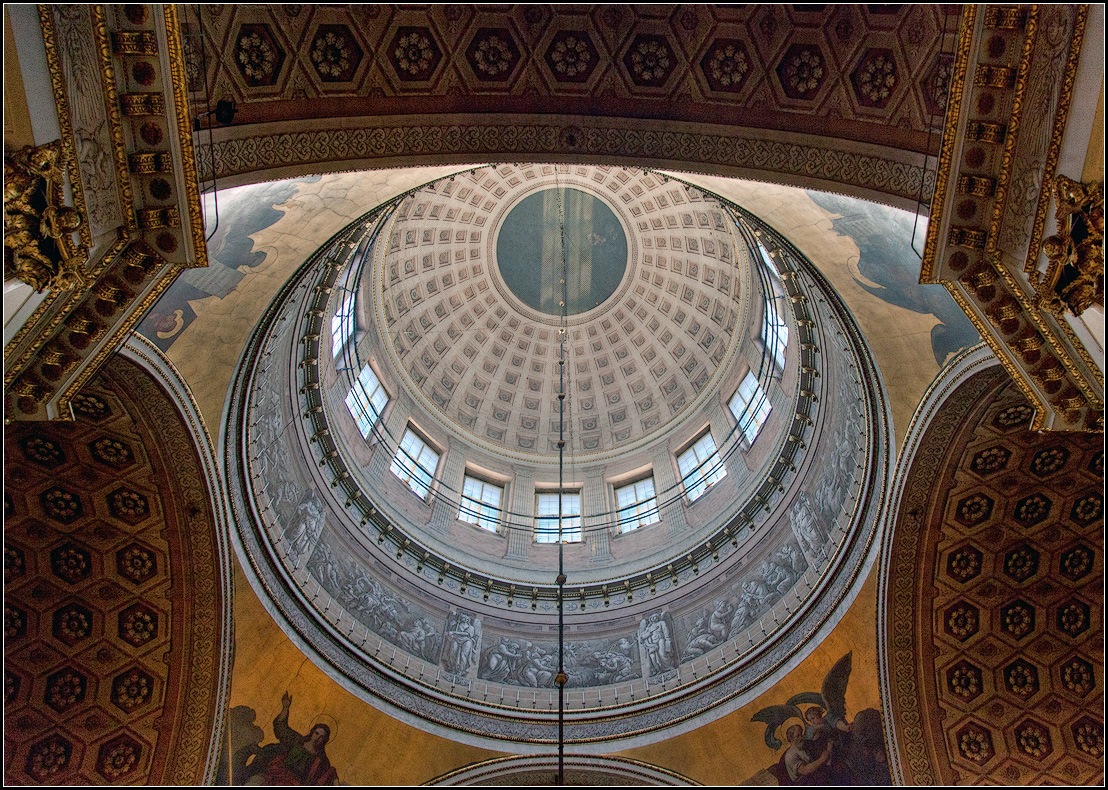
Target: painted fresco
232,251
291,759
888,267
374,605
533,664
824,747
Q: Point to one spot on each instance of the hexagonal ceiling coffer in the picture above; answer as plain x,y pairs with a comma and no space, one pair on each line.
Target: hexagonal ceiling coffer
1013,417
42,450
335,54
1017,618
65,689
650,60
138,624
1033,739
61,504
961,620
1032,509
964,681
258,56
72,623
726,65
112,452
137,563
71,562
875,78
128,505
990,460
974,509
571,56
119,758
802,71
1076,563
1047,462
1088,509
1073,618
91,407
49,757
131,689
492,54
414,54
1077,676
975,743
1021,563
964,563
1021,679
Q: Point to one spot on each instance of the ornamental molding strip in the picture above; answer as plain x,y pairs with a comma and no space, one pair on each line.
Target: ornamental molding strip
248,154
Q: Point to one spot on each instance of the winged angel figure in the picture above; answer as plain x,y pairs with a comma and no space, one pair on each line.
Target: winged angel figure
824,747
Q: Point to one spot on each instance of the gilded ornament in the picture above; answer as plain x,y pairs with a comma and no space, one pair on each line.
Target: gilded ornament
979,186
1005,17
1074,279
135,104
994,76
134,42
150,162
38,227
985,132
967,237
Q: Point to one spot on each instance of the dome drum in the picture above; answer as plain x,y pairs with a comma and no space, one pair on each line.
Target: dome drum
413,605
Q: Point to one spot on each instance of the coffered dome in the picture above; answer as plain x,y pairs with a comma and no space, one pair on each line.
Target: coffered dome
467,305
394,438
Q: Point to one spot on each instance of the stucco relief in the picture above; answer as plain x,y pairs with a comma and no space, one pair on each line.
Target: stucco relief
1036,127
90,123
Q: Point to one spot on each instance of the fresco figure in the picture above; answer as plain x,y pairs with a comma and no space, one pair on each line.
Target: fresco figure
824,747
613,667
309,525
710,631
419,639
503,661
295,759
800,766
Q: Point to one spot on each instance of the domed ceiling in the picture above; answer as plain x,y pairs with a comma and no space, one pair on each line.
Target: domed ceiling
708,372
468,305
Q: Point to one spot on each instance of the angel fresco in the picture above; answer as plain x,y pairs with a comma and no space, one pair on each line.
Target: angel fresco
824,747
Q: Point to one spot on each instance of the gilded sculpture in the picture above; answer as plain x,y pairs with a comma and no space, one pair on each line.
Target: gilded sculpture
38,227
1074,279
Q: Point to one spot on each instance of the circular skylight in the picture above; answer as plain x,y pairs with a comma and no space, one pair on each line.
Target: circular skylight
561,231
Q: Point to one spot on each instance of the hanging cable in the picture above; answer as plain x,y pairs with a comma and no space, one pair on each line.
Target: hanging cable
561,678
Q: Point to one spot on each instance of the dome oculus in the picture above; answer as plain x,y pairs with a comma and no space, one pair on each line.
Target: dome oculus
557,222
